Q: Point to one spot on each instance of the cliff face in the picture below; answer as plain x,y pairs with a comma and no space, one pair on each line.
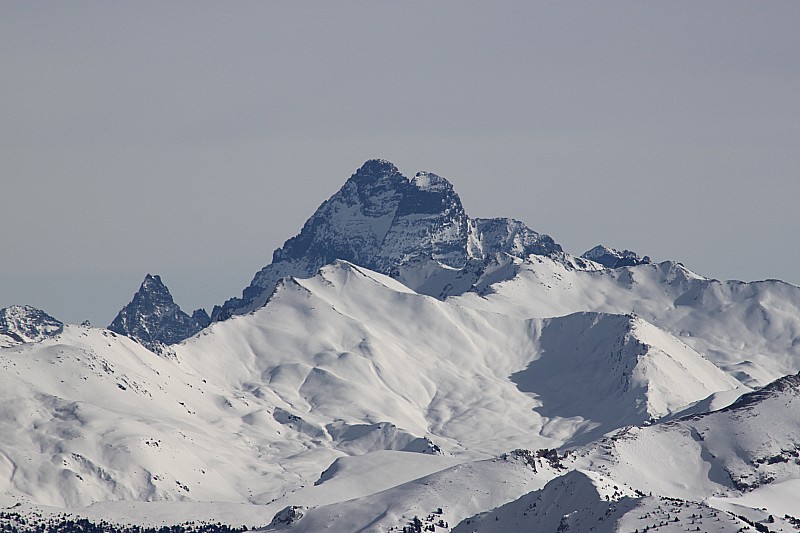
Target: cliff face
153,317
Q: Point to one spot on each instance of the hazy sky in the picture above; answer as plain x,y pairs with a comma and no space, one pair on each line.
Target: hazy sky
190,139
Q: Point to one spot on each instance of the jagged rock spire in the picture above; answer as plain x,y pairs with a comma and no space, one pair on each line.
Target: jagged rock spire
153,318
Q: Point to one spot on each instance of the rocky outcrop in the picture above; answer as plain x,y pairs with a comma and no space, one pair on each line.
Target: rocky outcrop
23,323
153,318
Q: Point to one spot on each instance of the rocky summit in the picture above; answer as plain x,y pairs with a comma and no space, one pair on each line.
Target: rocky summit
23,323
612,258
404,227
153,318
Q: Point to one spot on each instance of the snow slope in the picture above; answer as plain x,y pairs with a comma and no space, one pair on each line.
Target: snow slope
719,471
754,442
586,501
750,330
336,375
448,496
612,371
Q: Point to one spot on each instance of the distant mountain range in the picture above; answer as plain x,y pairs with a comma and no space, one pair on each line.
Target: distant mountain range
400,366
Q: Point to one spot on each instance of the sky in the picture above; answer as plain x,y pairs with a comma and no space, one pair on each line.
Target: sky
190,139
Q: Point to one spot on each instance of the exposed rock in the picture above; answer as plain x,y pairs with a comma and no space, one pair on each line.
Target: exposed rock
612,258
153,318
23,323
389,223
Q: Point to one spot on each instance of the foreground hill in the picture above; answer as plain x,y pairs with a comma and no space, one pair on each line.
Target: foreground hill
748,447
735,469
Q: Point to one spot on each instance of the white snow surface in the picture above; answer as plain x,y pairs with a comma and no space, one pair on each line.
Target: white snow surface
362,403
750,330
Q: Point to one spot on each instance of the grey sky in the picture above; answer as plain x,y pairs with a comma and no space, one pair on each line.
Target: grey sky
191,139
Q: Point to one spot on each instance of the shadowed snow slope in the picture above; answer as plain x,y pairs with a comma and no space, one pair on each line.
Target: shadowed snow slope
750,330
614,370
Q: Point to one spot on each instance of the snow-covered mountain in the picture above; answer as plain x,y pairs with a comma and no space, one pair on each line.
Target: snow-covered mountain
584,500
153,318
612,258
401,365
626,371
391,224
749,330
23,323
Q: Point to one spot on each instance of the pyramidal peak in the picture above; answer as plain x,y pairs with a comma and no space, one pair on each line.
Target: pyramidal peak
405,228
152,318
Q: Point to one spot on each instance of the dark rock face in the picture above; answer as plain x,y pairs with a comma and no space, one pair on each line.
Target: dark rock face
611,258
23,323
201,318
152,318
389,223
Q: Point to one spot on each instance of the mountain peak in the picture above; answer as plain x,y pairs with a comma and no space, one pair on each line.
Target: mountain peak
613,258
153,318
393,225
24,323
376,168
150,279
153,288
